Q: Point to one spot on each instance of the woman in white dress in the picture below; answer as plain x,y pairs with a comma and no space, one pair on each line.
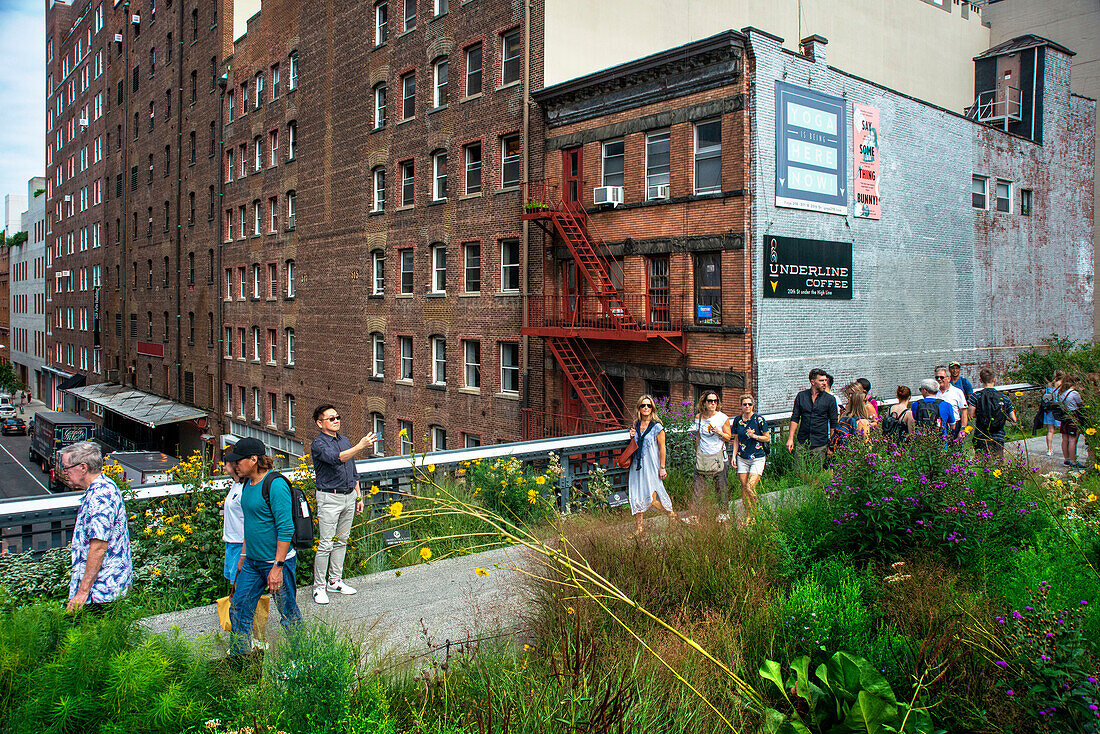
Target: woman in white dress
647,466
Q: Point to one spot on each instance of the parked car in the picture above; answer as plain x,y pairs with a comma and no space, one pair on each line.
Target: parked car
7,411
13,427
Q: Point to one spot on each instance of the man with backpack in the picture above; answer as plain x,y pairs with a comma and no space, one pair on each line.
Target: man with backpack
989,410
268,560
931,412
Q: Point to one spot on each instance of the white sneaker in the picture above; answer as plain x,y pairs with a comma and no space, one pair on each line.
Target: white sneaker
1050,453
320,595
343,588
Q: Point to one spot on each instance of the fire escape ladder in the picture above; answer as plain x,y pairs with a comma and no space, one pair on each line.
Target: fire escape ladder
572,225
568,353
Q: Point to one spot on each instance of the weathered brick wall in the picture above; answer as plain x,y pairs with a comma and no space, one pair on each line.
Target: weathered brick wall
934,279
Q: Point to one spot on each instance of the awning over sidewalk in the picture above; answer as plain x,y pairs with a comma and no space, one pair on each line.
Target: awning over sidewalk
142,407
72,381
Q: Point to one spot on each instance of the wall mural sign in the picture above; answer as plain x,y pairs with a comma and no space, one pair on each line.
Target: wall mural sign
798,268
811,131
865,154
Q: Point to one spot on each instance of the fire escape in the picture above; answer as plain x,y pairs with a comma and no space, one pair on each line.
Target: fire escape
583,301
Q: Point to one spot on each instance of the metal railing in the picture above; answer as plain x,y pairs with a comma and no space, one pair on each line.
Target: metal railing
1002,103
647,312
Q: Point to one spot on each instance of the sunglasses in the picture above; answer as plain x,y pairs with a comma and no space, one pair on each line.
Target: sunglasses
941,378
747,403
646,405
712,400
332,418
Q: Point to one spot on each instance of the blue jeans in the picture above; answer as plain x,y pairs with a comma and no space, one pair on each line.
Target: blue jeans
251,585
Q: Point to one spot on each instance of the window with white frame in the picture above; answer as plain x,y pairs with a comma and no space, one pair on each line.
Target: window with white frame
471,364
438,437
292,139
439,360
471,267
259,85
509,367
405,346
378,426
257,407
378,257
290,279
509,264
510,57
291,197
289,413
272,281
381,23
272,410
473,70
1025,202
257,217
256,351
293,82
510,155
257,288
657,162
272,347
442,7
407,181
405,432
470,440
410,14
273,215
290,346
708,157
439,77
439,176
978,192
1004,196
379,189
378,362
273,145
439,268
380,106
473,168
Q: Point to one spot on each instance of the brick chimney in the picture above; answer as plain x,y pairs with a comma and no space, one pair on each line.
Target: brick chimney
813,48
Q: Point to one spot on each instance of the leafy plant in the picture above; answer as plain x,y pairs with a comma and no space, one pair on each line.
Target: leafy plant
845,694
829,610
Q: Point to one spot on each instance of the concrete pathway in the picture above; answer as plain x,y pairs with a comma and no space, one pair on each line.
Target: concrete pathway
1036,450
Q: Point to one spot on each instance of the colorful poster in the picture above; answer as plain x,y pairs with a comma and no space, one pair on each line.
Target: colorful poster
811,131
866,136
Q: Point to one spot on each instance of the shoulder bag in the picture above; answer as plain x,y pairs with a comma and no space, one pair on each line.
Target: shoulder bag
623,459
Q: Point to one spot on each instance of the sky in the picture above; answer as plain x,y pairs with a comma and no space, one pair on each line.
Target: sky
22,93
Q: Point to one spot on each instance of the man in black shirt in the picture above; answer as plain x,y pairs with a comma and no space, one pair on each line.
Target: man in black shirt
814,415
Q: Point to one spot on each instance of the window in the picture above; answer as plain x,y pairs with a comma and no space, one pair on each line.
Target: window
290,279
656,164
439,73
473,70
978,192
407,183
442,7
258,147
379,427
273,145
408,95
228,398
256,407
242,282
293,83
290,201
291,139
290,346
228,166
379,259
379,189
229,283
438,437
272,346
406,271
509,265
708,288
439,176
381,23
410,14
256,281
471,364
1025,202
289,413
470,441
259,85
257,217
509,161
471,256
1004,196
473,168
708,157
439,268
244,346
272,280
244,161
241,406
439,360
509,367
378,366
231,103
273,215
406,346
406,436
275,85
379,106
510,57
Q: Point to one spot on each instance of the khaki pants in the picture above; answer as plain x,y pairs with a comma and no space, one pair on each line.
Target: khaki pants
335,514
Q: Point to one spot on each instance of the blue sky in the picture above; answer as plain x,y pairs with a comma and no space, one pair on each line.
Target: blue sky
22,93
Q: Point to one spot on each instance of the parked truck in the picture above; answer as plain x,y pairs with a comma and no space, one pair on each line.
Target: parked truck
53,432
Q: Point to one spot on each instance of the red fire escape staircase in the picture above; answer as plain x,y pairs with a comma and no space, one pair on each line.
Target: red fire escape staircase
572,356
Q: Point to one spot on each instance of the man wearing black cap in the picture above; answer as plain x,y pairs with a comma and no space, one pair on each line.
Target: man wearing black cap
267,559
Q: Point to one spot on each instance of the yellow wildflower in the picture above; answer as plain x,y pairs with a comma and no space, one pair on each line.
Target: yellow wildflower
1092,498
397,574
504,482
997,472
968,429
570,610
426,554
133,517
431,467
396,509
148,531
374,489
156,572
482,573
1090,431
540,480
1019,393
532,496
160,531
402,433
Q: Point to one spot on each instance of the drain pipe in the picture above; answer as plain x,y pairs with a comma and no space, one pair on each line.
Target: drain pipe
525,340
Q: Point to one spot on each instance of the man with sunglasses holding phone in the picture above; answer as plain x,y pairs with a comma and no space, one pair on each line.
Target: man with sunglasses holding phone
338,498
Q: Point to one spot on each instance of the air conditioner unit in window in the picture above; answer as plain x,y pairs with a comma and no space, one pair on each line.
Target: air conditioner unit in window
84,122
135,19
612,195
661,192
290,222
118,38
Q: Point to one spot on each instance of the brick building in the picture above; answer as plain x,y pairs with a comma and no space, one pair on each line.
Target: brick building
259,233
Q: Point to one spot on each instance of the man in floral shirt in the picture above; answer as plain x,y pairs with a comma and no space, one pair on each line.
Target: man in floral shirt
101,566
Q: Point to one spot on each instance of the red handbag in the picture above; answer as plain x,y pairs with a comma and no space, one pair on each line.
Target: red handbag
623,459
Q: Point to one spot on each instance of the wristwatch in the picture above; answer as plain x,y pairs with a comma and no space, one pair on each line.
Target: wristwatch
280,564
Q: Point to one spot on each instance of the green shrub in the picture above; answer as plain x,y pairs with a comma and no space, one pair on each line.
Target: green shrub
829,610
26,578
1036,366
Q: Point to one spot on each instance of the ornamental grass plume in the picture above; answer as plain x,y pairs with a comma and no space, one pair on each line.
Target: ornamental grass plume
558,563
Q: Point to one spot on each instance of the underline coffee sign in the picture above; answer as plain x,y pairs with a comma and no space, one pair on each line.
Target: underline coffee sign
811,131
798,268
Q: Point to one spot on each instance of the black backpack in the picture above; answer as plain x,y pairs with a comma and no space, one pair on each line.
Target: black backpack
989,412
894,427
927,412
299,511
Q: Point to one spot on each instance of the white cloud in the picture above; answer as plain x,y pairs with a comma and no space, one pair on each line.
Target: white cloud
22,93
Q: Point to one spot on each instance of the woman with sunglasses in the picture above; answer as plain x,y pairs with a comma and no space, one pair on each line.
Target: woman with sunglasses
646,479
712,431
751,436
